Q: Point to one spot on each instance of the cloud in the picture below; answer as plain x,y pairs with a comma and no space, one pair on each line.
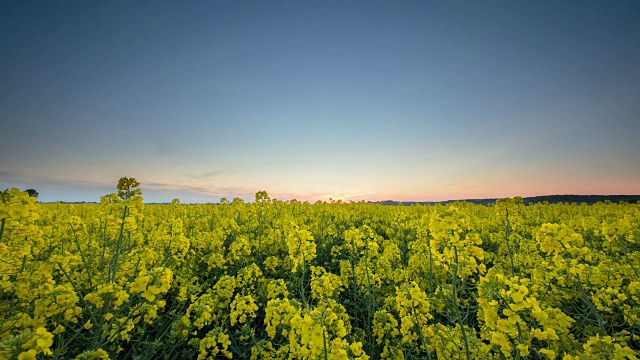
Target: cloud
199,189
208,174
10,175
53,181
218,173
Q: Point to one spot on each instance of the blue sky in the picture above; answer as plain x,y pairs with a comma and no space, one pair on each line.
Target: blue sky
359,100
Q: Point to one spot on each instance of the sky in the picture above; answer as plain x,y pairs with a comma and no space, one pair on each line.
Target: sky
311,100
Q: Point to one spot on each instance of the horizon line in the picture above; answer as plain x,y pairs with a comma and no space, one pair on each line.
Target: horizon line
368,201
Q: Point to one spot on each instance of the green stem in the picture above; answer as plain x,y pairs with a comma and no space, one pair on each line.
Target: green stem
104,243
586,299
507,234
304,268
430,271
84,260
422,338
626,256
118,246
324,339
2,228
455,304
519,340
371,305
73,284
24,264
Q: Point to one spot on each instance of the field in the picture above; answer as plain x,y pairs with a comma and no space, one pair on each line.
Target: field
291,280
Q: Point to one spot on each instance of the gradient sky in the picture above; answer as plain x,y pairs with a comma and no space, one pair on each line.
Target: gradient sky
358,100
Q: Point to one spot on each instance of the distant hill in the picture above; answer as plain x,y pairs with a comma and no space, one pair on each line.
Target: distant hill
551,199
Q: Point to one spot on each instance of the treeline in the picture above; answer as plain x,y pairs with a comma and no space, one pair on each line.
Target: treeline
551,199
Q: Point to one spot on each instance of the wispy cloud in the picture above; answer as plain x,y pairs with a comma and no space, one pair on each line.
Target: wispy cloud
10,175
54,181
218,172
198,189
209,174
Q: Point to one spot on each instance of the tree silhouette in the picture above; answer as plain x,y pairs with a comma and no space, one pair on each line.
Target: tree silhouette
32,193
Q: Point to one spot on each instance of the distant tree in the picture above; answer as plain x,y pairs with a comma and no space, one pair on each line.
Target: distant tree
128,188
32,193
262,197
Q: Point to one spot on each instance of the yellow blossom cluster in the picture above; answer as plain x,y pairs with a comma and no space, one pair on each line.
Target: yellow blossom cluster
301,245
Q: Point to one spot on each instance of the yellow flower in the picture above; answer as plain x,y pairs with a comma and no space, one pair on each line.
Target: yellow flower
241,308
45,340
550,354
140,283
27,355
523,349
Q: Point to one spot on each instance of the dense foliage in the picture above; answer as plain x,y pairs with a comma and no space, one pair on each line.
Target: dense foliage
291,280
